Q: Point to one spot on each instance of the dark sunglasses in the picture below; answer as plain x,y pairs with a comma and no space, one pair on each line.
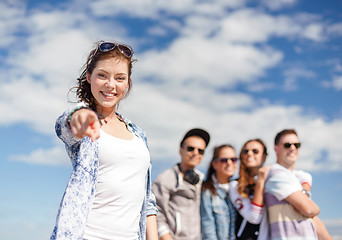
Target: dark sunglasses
255,151
225,160
109,46
190,149
288,145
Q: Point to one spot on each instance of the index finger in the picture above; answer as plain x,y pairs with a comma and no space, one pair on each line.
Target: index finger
95,126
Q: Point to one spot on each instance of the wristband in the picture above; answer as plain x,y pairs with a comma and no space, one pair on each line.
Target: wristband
307,192
257,205
75,110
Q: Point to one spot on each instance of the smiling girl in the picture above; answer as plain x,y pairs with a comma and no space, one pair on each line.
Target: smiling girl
217,213
109,193
246,193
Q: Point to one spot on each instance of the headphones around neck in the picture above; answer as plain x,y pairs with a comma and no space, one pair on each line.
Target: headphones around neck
190,176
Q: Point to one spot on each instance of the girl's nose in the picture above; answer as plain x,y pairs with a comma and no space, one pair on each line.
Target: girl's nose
110,84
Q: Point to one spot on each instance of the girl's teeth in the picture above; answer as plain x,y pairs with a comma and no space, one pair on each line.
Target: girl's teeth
108,94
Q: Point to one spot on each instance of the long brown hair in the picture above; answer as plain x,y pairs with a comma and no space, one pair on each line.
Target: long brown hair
83,89
208,183
246,181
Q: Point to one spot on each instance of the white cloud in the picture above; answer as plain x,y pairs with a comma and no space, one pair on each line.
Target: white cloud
191,79
154,9
306,17
56,43
335,64
247,25
260,86
166,116
38,73
31,102
207,62
314,32
177,87
157,31
333,222
290,84
338,67
278,4
334,227
337,83
233,126
56,55
200,26
293,76
53,156
254,26
335,29
12,14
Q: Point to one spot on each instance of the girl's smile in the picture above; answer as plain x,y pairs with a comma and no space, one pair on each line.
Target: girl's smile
109,82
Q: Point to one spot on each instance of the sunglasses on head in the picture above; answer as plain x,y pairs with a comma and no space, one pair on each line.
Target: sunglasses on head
288,145
225,160
190,149
109,46
255,151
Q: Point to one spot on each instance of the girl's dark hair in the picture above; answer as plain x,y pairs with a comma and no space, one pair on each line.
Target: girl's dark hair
208,183
83,90
246,181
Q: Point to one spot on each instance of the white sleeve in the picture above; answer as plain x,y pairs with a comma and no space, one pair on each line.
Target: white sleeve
303,177
249,211
281,183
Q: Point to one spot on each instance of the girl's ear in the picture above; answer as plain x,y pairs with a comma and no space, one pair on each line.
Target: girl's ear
214,165
88,77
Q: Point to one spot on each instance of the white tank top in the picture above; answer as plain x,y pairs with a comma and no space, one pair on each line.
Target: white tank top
120,189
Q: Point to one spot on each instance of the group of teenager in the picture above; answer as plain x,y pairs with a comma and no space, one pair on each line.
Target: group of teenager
110,194
261,203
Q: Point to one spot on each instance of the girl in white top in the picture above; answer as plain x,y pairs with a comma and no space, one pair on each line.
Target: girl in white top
120,189
246,193
116,203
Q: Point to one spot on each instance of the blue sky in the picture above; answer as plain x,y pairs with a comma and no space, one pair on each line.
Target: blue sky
237,68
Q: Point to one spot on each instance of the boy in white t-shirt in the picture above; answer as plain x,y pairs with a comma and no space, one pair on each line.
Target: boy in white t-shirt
292,213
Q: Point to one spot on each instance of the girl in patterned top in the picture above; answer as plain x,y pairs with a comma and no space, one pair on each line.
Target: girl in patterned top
109,193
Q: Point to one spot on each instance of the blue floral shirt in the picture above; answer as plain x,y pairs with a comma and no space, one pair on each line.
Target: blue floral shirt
78,196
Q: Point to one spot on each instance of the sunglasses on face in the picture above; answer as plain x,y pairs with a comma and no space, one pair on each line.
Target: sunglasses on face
190,149
288,145
246,151
225,160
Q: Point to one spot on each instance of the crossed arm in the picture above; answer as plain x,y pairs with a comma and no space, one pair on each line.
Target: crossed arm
303,204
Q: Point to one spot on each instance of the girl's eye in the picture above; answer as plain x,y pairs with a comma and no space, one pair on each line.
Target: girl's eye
101,75
121,78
